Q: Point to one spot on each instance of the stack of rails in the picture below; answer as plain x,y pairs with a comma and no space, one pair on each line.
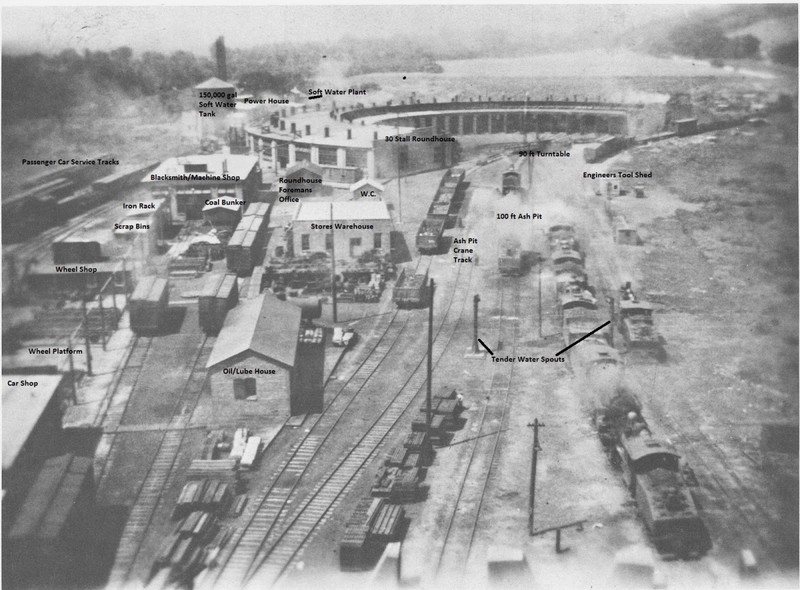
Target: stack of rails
442,211
219,295
373,524
245,249
149,304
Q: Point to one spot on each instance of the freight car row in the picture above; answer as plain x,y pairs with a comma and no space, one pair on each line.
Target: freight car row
442,212
56,196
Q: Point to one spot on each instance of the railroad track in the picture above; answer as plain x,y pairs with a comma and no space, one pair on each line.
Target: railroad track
28,249
159,474
270,504
727,490
462,524
284,546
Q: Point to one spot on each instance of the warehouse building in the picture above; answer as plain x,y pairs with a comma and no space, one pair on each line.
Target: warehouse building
255,361
358,227
51,536
31,421
192,182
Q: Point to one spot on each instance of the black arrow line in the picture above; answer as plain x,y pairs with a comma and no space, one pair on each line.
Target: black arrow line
486,347
581,339
313,96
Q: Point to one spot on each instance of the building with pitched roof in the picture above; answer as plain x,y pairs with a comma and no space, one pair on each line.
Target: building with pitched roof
254,363
358,227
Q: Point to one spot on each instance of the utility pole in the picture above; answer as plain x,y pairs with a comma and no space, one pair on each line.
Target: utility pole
541,260
430,362
475,301
86,334
527,144
532,494
102,318
333,268
399,195
72,372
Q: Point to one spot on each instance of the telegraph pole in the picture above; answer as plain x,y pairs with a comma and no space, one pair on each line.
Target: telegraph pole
333,268
532,495
475,301
430,362
86,334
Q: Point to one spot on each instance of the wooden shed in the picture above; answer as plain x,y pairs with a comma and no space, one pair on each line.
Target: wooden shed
255,358
149,304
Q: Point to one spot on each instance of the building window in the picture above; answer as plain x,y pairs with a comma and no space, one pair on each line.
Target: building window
304,242
328,242
244,388
328,156
355,246
377,243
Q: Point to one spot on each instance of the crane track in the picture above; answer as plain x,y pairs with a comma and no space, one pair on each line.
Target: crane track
463,522
159,474
285,547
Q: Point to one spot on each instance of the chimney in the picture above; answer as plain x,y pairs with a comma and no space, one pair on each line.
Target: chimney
349,134
219,55
327,131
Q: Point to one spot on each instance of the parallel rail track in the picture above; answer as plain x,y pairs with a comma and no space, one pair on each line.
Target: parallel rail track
284,547
159,473
462,525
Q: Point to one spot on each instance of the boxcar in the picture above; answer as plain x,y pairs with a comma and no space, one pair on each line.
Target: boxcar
148,304
219,295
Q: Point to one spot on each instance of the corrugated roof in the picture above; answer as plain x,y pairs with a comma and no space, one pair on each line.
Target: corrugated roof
342,211
51,498
265,326
22,408
214,82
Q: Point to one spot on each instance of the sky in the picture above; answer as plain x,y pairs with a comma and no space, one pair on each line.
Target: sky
170,28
